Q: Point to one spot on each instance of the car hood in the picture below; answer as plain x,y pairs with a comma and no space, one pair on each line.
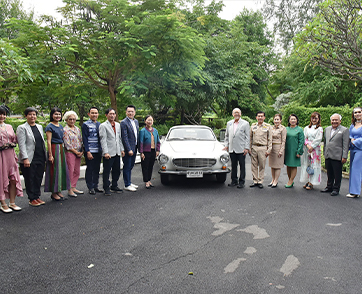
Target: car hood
192,146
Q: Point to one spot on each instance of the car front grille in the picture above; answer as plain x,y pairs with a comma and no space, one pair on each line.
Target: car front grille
194,162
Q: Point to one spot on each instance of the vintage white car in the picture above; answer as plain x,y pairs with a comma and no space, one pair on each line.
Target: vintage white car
192,151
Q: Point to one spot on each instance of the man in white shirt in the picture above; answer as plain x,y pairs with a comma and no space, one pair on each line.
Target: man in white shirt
130,131
237,138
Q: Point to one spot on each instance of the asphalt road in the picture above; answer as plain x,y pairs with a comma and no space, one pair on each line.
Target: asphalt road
232,240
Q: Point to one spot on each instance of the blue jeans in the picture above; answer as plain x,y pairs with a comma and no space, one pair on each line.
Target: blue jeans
128,164
114,164
92,171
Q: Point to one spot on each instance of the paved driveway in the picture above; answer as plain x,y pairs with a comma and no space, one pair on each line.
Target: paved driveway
247,240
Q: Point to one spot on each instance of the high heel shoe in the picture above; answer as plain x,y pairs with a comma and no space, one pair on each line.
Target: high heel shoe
274,186
270,185
289,186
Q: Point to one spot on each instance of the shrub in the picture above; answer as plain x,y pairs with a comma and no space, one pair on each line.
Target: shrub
304,114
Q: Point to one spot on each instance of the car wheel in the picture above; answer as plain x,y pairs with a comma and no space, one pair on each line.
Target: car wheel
221,178
165,179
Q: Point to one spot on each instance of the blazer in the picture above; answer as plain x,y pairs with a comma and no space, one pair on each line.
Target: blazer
128,136
111,142
26,142
239,141
145,140
336,147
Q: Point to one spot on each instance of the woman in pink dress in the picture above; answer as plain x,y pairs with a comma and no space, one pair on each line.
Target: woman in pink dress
10,184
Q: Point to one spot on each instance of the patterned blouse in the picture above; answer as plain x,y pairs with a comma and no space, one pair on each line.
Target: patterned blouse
72,138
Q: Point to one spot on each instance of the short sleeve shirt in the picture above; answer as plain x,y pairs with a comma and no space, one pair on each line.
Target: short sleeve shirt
57,133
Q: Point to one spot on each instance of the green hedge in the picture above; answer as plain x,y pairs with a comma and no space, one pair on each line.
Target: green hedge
304,114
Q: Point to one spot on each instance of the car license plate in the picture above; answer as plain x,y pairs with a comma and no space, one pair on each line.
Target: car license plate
194,174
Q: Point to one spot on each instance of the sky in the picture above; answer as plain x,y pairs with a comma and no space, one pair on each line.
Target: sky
232,7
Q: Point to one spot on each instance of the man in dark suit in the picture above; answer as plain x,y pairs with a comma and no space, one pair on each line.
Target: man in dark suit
336,143
130,131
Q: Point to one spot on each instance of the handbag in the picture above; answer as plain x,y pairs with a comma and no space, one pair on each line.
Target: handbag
310,169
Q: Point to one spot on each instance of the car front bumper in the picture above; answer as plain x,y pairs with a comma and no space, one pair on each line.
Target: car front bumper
183,172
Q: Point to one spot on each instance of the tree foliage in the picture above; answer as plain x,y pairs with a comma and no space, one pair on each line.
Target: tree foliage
333,39
11,9
310,85
289,18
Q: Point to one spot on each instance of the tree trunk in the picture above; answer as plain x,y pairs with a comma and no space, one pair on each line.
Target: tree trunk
182,117
112,93
81,113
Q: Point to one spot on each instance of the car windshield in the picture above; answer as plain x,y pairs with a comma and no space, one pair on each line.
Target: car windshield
201,134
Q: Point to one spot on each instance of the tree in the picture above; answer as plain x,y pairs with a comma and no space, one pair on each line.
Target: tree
11,9
333,39
310,85
14,69
289,18
115,44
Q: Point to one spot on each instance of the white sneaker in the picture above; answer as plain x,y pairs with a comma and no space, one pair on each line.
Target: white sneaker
130,188
134,186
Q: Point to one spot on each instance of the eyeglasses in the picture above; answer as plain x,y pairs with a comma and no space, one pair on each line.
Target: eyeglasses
71,119
357,112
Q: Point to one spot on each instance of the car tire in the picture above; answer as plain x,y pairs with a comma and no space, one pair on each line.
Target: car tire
165,179
221,178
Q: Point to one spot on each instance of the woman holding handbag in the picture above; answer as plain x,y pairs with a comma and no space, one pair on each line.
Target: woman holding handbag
311,158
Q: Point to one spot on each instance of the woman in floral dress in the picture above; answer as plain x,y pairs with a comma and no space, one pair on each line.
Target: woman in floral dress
313,135
73,144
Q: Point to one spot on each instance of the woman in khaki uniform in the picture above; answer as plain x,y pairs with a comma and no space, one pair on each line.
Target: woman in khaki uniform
276,157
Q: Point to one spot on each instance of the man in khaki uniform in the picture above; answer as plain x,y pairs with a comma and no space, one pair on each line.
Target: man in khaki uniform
260,148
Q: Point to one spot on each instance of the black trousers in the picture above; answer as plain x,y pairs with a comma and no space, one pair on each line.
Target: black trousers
237,159
334,173
33,177
92,171
114,164
147,165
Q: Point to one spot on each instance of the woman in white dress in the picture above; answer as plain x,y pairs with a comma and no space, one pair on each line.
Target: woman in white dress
313,134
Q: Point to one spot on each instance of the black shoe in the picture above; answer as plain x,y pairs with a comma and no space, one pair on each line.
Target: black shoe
254,185
334,193
107,192
232,184
240,186
326,190
274,186
98,190
92,192
116,189
271,184
260,186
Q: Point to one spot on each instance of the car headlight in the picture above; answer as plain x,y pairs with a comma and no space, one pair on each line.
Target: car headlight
163,159
224,158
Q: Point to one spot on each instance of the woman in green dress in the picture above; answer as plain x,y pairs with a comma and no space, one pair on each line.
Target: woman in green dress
293,148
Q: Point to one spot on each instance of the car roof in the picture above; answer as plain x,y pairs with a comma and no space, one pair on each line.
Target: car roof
190,126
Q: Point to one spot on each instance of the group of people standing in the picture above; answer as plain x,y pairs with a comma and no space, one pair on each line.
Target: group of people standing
63,149
294,147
